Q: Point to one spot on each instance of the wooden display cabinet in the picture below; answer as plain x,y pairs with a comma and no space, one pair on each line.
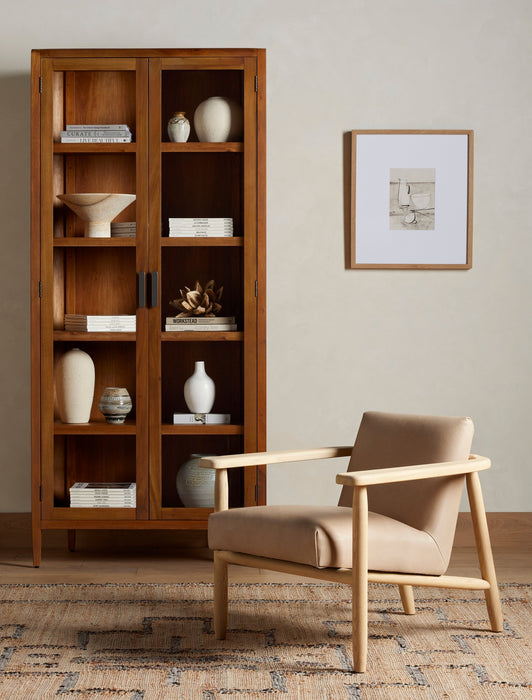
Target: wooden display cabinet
74,274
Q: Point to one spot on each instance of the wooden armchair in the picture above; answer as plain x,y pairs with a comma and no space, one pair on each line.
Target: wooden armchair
394,522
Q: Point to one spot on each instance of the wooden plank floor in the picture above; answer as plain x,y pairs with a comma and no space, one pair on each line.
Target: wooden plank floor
168,557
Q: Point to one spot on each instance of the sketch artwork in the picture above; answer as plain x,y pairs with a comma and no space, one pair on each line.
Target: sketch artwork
412,199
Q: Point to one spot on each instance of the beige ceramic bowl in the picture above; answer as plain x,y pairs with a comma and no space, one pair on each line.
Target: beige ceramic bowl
97,210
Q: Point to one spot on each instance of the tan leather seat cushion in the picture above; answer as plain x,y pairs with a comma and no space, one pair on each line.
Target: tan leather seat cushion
321,536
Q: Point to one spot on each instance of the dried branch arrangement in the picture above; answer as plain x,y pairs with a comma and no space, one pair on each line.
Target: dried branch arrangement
199,301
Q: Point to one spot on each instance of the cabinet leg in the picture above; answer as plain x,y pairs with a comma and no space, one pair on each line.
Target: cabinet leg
37,545
71,540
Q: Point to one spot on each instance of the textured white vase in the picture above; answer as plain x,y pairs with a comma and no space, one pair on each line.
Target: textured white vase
199,390
74,386
218,119
195,485
178,128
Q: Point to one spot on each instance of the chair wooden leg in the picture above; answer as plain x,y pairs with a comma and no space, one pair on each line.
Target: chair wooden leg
407,599
220,597
360,579
485,555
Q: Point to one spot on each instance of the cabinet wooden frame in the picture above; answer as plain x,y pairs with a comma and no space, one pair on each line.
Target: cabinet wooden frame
65,90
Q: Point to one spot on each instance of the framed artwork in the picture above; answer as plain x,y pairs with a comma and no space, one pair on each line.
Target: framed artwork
411,199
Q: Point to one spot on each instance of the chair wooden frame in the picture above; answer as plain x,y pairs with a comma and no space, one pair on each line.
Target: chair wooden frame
359,576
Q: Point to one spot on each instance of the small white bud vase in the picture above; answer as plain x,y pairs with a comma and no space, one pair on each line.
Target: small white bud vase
199,390
218,119
195,485
178,128
74,386
115,403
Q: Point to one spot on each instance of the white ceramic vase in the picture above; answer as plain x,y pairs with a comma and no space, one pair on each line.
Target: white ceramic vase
199,390
74,386
218,119
178,128
115,403
195,485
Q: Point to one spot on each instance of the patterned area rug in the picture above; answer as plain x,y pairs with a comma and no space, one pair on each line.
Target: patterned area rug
156,641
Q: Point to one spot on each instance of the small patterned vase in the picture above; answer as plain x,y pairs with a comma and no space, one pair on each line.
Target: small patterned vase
115,404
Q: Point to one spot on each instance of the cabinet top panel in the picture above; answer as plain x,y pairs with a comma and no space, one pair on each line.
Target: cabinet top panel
143,53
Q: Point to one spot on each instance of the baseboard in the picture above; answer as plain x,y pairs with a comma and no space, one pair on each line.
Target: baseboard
15,532
506,530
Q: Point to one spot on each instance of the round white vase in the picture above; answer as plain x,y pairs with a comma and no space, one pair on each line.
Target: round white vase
178,128
195,485
74,386
218,119
199,390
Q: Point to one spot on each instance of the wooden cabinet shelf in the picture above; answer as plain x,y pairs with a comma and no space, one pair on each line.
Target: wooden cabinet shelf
95,428
68,148
81,242
102,337
142,275
216,336
202,147
185,241
199,430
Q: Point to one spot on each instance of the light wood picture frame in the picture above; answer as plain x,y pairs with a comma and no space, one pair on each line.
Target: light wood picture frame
411,199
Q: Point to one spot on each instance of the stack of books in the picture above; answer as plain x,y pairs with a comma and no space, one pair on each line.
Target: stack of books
200,323
202,418
203,228
103,495
124,229
107,324
96,133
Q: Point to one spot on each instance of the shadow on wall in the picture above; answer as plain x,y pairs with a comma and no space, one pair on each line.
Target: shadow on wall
14,286
347,141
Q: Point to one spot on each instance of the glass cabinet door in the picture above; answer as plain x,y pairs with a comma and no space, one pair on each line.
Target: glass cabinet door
203,230
93,298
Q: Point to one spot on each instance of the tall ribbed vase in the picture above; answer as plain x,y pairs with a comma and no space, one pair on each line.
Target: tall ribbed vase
74,386
199,390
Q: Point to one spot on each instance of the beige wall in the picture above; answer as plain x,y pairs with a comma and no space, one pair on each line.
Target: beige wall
339,341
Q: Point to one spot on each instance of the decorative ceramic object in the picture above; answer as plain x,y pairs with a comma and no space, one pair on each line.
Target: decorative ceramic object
199,390
195,485
97,210
178,128
218,119
199,301
74,386
115,404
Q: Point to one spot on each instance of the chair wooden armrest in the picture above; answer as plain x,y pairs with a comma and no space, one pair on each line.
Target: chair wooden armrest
388,475
252,459
222,463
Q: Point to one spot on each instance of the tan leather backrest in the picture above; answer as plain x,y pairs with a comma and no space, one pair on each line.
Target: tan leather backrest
394,440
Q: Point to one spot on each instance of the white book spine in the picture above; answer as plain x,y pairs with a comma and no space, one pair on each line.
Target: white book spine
199,320
117,139
95,133
172,327
188,234
106,127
